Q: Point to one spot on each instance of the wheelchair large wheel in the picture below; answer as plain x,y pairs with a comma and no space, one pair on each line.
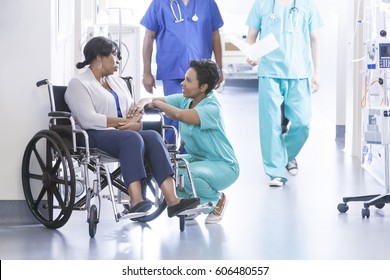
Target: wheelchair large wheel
48,179
159,204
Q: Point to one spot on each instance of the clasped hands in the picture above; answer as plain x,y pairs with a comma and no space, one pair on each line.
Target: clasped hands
133,119
135,111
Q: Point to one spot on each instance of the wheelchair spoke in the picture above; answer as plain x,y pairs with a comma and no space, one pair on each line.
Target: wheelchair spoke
49,157
57,183
35,176
39,159
41,195
61,181
50,207
57,194
55,168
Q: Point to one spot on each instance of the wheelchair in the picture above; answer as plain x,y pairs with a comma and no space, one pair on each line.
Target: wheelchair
60,175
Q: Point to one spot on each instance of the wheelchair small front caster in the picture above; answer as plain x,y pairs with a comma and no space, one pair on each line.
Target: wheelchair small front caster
342,207
380,205
365,213
92,221
182,222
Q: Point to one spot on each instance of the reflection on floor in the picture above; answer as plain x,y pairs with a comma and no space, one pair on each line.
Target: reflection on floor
298,221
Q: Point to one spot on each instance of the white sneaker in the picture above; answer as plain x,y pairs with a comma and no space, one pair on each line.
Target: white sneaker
217,214
276,182
292,167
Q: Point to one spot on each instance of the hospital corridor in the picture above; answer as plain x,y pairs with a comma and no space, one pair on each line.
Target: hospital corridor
299,221
298,218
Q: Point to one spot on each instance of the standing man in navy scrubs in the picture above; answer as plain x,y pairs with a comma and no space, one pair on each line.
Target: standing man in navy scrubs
184,30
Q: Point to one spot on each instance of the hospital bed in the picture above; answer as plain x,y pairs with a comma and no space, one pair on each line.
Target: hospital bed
234,61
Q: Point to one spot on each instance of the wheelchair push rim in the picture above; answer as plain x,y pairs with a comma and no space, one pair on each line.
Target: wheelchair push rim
151,191
48,179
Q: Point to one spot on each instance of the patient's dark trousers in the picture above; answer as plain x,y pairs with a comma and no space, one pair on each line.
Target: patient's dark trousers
134,148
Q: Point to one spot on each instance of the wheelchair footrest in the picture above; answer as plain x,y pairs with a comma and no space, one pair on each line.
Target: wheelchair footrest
199,208
125,215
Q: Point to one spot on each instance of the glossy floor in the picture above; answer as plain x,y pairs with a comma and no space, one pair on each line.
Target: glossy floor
296,222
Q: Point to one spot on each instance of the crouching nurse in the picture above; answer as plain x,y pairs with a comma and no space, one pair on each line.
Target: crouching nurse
211,157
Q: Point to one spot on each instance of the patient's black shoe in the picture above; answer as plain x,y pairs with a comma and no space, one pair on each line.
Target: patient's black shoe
142,206
184,204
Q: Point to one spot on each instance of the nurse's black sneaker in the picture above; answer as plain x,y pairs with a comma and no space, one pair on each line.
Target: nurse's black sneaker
184,204
276,182
217,214
292,167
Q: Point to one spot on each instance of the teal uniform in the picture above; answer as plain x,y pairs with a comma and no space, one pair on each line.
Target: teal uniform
211,157
284,77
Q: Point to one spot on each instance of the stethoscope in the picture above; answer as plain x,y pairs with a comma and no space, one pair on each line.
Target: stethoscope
293,17
180,18
293,9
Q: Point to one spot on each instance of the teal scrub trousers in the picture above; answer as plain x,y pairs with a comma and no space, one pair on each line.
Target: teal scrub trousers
278,149
209,178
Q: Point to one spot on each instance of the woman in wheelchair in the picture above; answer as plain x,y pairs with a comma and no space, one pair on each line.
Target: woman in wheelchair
100,103
211,157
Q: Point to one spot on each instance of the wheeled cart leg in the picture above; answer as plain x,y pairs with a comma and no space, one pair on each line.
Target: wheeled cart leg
378,200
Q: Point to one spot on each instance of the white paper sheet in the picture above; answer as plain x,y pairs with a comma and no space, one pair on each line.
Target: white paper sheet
258,49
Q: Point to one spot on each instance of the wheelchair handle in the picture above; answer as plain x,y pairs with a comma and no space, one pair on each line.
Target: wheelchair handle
42,82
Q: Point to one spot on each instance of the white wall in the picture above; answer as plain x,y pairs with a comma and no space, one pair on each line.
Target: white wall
234,15
325,99
25,55
62,46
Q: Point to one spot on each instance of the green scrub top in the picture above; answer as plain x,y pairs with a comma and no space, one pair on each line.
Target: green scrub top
292,60
208,140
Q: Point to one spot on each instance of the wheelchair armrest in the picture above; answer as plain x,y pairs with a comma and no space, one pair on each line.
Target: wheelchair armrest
59,114
153,111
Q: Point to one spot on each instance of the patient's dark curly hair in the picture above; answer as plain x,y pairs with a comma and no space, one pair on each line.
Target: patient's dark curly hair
207,72
98,46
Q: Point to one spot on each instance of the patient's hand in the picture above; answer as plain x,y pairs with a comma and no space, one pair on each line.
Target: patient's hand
135,111
136,117
131,123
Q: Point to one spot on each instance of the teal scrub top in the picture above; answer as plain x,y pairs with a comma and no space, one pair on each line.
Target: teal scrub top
292,60
208,140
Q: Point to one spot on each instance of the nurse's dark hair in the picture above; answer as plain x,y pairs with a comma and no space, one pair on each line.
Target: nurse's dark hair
207,72
98,46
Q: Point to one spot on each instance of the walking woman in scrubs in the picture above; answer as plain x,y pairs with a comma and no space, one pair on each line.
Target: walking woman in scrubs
184,30
284,77
211,157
